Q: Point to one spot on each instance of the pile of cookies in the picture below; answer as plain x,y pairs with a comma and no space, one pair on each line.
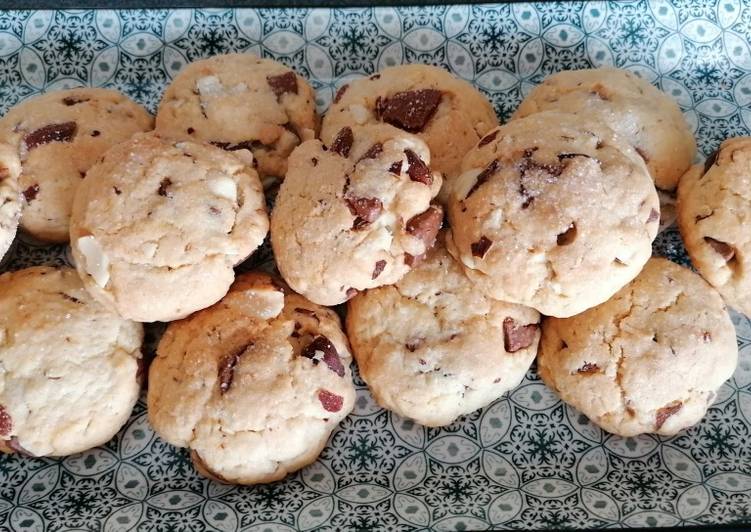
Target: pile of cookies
547,256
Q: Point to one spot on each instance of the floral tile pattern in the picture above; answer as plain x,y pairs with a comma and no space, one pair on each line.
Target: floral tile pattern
527,461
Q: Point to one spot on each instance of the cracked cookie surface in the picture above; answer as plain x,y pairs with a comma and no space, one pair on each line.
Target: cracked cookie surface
10,196
253,385
431,347
714,216
636,110
69,367
552,212
158,226
649,360
241,101
446,112
356,214
58,136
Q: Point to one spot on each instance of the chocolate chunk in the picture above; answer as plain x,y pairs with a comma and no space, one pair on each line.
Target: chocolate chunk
409,110
321,349
71,298
164,187
340,92
343,142
568,236
564,156
483,176
516,337
6,423
481,247
314,161
365,210
706,337
351,292
96,133
725,250
396,168
711,160
283,83
72,100
190,130
653,216
413,344
487,139
426,225
528,198
117,190
227,368
52,133
417,169
379,266
331,402
374,151
31,193
528,164
642,154
374,77
244,145
665,412
588,368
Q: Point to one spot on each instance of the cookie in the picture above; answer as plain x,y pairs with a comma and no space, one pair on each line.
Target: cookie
254,385
58,136
552,212
71,369
638,111
356,214
10,197
432,347
649,360
447,113
158,226
714,216
240,101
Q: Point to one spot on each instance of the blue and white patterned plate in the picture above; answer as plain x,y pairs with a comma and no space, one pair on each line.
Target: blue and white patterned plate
527,461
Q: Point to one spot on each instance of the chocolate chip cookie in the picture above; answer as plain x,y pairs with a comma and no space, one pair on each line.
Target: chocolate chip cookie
642,114
158,225
58,136
71,369
10,197
448,113
553,212
254,385
714,216
240,101
432,347
650,359
355,214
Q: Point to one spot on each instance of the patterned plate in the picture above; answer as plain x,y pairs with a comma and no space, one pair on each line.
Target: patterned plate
527,461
